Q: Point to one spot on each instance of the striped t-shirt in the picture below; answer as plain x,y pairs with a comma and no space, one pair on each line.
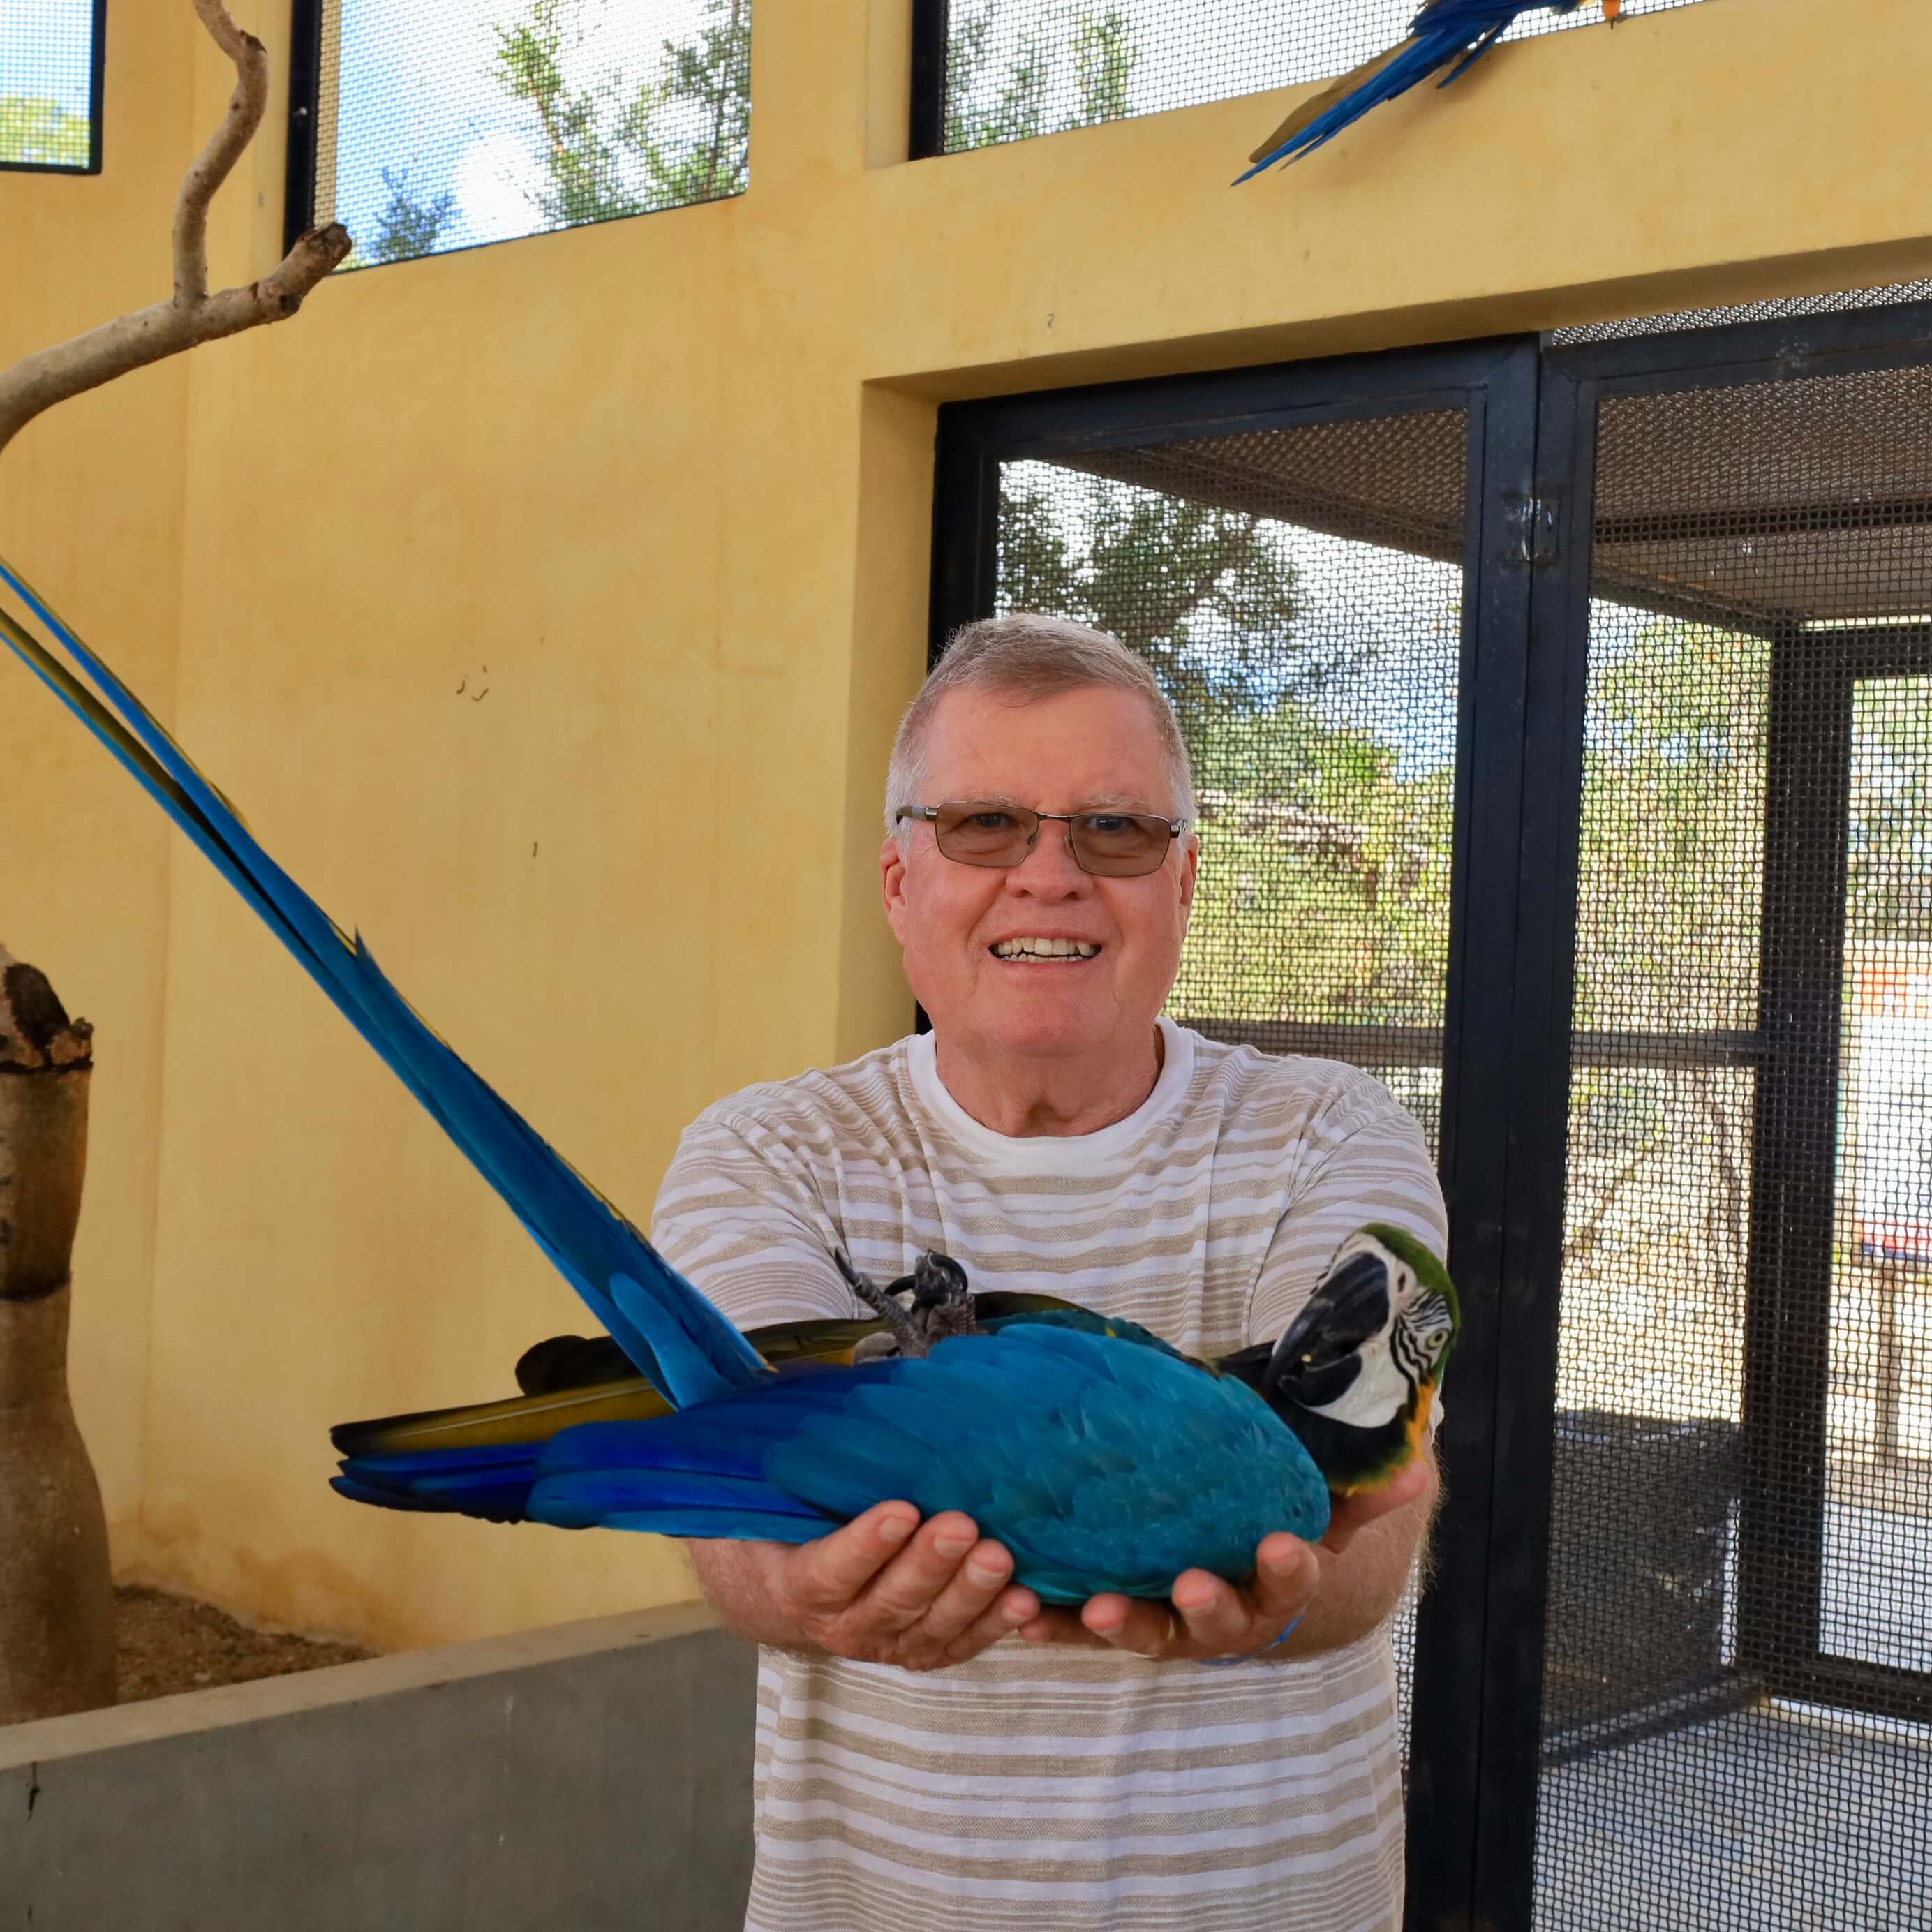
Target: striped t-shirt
1054,1788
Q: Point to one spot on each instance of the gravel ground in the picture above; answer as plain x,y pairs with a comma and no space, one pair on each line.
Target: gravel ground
165,1643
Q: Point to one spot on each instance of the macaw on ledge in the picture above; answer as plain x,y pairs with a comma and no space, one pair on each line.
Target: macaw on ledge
1461,31
1102,1459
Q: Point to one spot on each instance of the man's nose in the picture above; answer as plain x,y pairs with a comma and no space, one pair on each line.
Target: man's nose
1050,868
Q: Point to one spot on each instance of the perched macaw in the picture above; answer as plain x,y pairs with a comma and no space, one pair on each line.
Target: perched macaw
1461,31
1103,1459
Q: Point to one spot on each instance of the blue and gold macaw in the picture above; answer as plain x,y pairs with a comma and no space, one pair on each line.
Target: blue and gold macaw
1445,31
1101,1458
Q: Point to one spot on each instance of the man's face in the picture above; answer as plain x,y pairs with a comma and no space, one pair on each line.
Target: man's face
1086,749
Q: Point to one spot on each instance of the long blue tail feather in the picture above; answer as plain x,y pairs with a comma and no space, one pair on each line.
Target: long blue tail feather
675,1337
1458,32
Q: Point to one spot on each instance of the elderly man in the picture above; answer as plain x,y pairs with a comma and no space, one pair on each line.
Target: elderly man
1053,1131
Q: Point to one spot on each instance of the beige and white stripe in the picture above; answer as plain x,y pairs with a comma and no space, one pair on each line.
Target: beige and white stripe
1065,1789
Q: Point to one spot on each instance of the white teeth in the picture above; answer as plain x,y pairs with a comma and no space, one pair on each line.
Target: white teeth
1044,949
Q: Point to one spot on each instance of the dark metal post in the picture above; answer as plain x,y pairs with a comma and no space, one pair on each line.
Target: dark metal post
304,114
929,34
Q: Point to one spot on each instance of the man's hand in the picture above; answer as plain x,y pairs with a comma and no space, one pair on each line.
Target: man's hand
884,1589
1207,1620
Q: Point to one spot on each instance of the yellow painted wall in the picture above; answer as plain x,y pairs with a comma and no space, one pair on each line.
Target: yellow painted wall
669,480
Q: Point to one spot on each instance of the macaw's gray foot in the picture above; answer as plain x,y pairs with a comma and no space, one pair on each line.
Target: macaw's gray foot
942,1302
906,1334
941,1307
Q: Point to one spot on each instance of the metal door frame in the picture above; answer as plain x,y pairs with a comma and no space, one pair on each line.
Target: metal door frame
1475,1585
1786,1355
1508,1040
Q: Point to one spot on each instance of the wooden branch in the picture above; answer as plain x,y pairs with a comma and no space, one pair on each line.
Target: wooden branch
192,316
246,106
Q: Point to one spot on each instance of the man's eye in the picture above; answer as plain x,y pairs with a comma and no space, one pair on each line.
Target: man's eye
990,821
1110,824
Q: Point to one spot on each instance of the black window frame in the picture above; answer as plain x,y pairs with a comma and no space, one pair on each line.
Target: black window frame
96,108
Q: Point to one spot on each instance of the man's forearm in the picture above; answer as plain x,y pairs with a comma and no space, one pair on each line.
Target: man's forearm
733,1577
1366,1584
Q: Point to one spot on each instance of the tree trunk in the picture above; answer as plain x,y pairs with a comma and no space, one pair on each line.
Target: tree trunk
56,1591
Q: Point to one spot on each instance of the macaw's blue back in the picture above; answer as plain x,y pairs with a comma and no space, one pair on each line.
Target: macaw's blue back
1101,1464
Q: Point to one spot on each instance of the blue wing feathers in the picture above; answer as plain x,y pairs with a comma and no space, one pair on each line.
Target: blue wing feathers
674,1335
1454,34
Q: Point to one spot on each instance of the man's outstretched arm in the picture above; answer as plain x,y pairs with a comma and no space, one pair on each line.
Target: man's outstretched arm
886,1589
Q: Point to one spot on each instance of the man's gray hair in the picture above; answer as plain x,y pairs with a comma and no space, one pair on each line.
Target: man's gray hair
1024,657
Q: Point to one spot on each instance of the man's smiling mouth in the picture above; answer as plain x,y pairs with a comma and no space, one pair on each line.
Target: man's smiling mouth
1027,947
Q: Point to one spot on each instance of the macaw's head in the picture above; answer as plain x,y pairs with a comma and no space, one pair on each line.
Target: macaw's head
1373,1339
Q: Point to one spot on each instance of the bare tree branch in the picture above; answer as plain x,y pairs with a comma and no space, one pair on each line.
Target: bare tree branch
246,106
192,316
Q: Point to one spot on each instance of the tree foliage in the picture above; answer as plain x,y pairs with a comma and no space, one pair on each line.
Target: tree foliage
40,132
1073,69
1672,836
1889,849
1324,886
1208,596
617,145
408,226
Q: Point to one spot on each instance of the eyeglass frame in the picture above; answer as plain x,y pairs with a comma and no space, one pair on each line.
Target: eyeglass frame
1177,828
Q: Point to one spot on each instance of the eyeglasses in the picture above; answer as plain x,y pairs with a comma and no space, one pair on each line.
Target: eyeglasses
1110,844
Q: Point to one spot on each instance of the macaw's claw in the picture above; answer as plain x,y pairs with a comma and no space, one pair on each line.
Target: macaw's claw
941,1305
942,1302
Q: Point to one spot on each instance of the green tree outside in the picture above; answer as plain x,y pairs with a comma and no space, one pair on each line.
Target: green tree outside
622,146
1323,893
40,132
408,226
1084,57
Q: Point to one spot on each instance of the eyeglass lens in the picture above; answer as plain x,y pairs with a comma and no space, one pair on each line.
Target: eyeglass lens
1113,845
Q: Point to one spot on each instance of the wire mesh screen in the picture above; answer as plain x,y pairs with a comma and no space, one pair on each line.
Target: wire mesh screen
452,124
1735,1697
1877,1566
48,94
1773,308
1016,68
1298,592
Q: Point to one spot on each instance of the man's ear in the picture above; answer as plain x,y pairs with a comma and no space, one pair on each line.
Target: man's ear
1190,864
891,880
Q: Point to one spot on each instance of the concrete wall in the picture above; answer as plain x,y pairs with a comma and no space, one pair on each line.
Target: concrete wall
596,1776
669,479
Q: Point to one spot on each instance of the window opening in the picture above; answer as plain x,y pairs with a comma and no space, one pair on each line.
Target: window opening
448,126
1018,68
51,57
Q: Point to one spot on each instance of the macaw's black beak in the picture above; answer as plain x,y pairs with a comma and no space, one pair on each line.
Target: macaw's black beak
1320,1353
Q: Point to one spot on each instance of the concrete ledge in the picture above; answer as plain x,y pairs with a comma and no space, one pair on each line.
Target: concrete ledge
589,1776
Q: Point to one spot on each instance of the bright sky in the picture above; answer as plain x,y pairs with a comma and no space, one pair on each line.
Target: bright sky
418,92
45,49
